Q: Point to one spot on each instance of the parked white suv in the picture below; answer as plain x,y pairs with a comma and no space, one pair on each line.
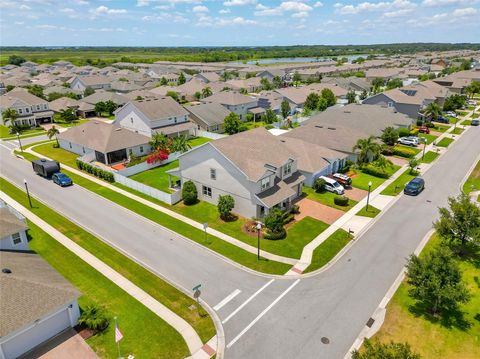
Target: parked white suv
333,186
409,141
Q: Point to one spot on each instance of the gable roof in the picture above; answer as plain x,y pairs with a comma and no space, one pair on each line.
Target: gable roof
9,223
209,113
33,290
102,95
159,108
22,95
94,80
252,150
63,103
103,137
229,98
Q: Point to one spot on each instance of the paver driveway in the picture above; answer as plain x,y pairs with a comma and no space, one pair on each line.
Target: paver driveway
318,211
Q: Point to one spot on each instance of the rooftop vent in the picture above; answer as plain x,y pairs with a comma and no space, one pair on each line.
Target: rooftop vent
331,128
318,126
6,270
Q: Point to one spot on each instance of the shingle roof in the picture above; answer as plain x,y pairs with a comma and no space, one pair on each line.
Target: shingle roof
252,150
103,137
210,113
101,95
31,291
23,95
230,98
159,108
94,80
9,223
63,103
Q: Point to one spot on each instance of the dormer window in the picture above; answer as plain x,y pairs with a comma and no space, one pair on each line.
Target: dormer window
287,169
265,183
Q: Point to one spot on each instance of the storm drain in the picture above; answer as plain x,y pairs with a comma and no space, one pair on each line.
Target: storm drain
325,340
370,322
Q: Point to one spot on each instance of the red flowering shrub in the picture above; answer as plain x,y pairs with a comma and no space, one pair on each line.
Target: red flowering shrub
157,156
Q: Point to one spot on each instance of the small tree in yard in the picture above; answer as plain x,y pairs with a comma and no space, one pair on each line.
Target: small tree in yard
269,116
53,132
389,136
351,97
459,224
94,318
274,222
88,91
311,102
412,164
225,206
231,124
436,281
285,109
189,193
9,115
69,115
181,79
392,350
363,95
328,95
319,185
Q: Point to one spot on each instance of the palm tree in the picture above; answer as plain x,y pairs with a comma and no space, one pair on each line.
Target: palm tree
207,91
9,115
383,163
180,144
432,110
368,149
53,132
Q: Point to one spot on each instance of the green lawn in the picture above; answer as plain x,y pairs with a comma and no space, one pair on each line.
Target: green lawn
145,334
428,137
224,248
452,119
413,149
5,133
328,249
466,122
429,157
440,128
152,284
70,124
255,124
472,184
457,131
445,142
398,185
475,115
327,198
431,337
58,154
157,177
197,141
360,179
372,212
461,113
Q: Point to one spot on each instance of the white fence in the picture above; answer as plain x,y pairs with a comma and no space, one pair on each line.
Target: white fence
212,135
170,198
144,166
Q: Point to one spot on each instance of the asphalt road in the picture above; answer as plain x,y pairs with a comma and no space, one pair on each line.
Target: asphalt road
264,317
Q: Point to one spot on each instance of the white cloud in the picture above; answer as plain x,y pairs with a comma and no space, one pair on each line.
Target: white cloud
225,11
25,7
297,8
318,4
239,2
46,27
200,9
19,22
469,11
395,5
103,10
398,13
236,21
163,16
441,3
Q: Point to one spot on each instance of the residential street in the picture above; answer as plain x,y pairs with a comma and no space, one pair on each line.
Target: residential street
279,318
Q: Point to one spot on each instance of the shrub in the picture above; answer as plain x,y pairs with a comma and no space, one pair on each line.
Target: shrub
94,318
275,235
295,209
319,185
225,206
274,220
403,132
374,171
341,200
429,125
388,150
288,217
346,167
414,132
97,172
419,122
189,193
404,152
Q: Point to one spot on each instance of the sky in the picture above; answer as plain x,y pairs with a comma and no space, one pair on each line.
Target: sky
235,22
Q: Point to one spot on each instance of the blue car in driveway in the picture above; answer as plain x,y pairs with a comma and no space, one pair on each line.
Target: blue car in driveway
62,179
415,186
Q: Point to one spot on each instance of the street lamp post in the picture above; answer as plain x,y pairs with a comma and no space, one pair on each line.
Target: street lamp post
259,228
368,195
19,142
28,193
424,146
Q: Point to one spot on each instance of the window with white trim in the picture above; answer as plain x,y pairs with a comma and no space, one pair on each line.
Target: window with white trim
265,183
213,173
16,239
141,149
287,169
20,110
207,191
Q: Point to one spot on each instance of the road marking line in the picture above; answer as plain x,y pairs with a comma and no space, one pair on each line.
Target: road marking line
247,301
227,299
234,340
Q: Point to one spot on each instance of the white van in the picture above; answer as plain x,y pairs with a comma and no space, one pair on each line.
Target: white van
333,186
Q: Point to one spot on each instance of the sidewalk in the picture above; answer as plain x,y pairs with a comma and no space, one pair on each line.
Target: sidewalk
190,336
176,215
358,224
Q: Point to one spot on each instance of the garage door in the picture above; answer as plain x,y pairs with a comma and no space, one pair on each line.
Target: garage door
39,333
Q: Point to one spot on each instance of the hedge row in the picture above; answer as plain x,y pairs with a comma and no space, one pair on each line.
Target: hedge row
341,200
404,152
97,172
375,171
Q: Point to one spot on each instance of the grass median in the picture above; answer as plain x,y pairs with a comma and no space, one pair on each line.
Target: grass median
145,334
151,283
326,251
429,157
445,142
398,185
371,212
472,184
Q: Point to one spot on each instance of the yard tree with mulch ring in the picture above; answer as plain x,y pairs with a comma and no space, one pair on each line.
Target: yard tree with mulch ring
319,185
189,193
459,224
436,281
225,206
274,221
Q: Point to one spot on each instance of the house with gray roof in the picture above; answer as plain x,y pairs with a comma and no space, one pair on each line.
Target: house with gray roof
208,116
13,227
254,167
104,96
31,110
151,115
234,102
36,304
104,142
95,82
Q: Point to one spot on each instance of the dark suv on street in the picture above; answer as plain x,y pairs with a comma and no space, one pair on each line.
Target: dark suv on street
415,186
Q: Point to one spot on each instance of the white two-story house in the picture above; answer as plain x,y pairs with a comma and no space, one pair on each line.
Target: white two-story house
31,110
254,167
147,116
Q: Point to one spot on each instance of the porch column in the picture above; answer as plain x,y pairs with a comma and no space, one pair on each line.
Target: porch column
169,180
